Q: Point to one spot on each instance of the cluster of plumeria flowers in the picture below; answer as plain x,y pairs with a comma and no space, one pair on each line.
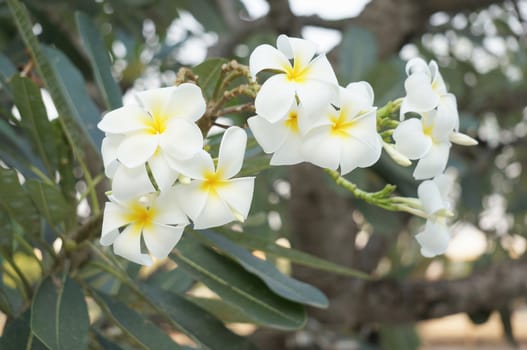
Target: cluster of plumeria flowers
163,178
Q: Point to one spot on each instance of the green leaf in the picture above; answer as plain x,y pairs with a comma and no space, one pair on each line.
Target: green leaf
134,325
76,135
35,122
358,54
175,280
105,343
17,335
50,202
209,73
73,88
200,325
59,315
221,310
16,150
7,70
279,283
17,202
100,61
252,241
237,287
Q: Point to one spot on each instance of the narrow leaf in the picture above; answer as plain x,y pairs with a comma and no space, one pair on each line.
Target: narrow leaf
99,60
59,315
196,322
17,335
73,322
7,70
35,121
73,89
50,202
17,202
76,135
252,241
237,287
134,325
279,283
44,314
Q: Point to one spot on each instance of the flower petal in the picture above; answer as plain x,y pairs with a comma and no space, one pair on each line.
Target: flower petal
161,239
434,239
232,152
448,113
155,100
131,182
321,149
410,139
186,101
417,64
136,149
430,197
315,96
357,153
114,217
321,69
419,93
128,245
289,153
267,57
270,136
109,147
434,162
215,213
124,120
444,183
438,84
238,194
191,198
195,167
168,210
300,50
275,98
357,97
182,139
164,175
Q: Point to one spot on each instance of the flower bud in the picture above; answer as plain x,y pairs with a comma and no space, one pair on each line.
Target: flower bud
462,139
397,156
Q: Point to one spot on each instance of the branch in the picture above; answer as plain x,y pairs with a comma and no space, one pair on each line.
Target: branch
413,300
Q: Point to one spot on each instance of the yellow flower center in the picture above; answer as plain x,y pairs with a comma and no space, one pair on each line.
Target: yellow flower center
157,124
292,122
212,182
140,216
340,126
297,73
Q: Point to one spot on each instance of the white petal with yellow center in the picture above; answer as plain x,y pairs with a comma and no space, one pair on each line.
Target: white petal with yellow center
136,149
131,182
128,245
434,162
275,98
124,120
232,152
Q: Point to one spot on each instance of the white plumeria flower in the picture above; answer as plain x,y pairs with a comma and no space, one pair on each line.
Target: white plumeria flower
162,131
426,139
157,219
311,80
214,197
433,195
346,137
426,90
282,138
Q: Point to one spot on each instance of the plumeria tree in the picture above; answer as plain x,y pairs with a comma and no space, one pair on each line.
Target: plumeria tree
156,220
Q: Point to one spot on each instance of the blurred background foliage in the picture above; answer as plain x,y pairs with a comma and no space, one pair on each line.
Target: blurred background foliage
57,282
